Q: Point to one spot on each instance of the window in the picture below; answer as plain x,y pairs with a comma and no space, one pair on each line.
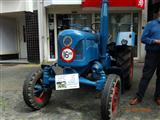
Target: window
51,36
121,22
74,21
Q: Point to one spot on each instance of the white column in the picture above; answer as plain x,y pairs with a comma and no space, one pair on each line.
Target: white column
42,31
29,5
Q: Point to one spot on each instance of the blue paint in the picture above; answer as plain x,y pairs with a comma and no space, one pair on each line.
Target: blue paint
91,53
87,82
85,46
104,31
100,83
37,89
46,76
97,69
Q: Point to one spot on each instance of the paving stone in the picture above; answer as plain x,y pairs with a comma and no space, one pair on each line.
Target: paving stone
80,104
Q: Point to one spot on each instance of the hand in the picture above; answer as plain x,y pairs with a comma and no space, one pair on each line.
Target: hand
157,42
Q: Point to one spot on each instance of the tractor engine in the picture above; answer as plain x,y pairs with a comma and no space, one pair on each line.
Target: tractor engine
77,48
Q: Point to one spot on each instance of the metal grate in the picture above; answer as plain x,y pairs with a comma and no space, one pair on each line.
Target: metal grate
32,36
79,50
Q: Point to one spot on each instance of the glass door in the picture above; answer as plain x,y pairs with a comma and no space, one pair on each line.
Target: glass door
60,22
136,29
51,36
73,21
121,22
63,22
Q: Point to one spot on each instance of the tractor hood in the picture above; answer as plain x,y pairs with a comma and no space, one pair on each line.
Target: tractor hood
77,48
75,36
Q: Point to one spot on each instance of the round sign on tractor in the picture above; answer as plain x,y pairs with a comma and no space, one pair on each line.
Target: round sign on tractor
67,54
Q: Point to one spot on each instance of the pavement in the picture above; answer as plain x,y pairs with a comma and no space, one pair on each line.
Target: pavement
79,104
14,61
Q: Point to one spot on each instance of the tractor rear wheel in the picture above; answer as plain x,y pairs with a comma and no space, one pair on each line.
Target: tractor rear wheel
110,97
34,93
125,62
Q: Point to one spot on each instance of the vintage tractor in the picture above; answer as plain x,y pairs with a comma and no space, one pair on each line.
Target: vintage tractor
86,58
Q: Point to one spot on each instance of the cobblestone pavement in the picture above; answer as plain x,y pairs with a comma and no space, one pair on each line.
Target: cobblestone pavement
80,104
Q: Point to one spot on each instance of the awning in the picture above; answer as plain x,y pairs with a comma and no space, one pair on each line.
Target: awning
115,3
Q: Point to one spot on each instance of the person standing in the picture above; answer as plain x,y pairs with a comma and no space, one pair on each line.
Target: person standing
151,38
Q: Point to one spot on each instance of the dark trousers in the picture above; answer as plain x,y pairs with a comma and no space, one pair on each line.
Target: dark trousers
152,64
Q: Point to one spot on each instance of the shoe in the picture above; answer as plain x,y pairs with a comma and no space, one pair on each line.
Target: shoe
135,101
157,100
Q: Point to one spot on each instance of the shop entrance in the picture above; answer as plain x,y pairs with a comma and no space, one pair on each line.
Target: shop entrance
118,22
76,21
62,22
51,36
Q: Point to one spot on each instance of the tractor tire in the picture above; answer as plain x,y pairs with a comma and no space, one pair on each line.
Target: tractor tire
110,97
34,94
124,60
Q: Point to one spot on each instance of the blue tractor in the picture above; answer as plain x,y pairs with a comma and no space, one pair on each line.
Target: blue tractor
86,58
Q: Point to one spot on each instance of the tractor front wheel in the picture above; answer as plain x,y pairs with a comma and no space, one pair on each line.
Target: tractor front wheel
110,97
34,93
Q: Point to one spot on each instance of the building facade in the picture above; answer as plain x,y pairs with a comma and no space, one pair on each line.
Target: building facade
30,30
59,15
19,30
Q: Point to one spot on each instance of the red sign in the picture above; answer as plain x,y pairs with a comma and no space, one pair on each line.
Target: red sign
140,3
115,3
68,54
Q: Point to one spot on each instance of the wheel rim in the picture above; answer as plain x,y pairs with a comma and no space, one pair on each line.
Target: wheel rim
131,71
115,98
40,99
39,94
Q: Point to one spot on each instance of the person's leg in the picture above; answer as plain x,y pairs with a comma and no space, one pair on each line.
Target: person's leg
157,91
148,71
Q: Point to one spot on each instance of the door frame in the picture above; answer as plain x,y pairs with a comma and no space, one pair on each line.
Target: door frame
55,38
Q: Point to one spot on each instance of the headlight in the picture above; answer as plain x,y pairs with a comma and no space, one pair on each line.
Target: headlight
67,41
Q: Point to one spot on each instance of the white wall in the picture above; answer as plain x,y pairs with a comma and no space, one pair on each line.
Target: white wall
62,2
22,44
8,40
16,5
